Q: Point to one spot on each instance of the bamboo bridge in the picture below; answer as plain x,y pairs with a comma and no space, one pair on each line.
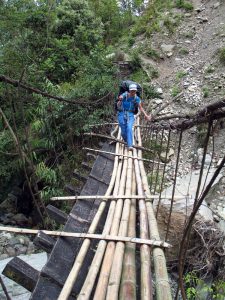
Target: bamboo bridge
110,246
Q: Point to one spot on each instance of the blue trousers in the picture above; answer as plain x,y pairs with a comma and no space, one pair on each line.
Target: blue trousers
126,121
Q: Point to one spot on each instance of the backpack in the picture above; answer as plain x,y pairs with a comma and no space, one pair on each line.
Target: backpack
124,87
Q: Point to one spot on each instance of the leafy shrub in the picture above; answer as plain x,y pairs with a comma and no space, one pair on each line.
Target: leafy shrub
181,74
183,51
175,91
222,55
184,4
150,52
205,91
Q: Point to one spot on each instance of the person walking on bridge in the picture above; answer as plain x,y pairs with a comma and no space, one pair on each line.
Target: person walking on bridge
128,105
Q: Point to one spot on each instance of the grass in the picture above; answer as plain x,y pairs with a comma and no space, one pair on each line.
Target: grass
184,4
175,91
180,74
222,55
205,91
183,51
150,52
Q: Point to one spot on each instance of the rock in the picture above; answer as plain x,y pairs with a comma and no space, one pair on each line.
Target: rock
20,219
158,101
13,241
31,248
159,90
163,156
10,251
216,5
20,249
4,256
167,48
216,218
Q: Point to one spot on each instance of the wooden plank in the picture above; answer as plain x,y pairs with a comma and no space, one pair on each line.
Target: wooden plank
71,189
53,275
79,176
22,273
44,241
86,166
56,214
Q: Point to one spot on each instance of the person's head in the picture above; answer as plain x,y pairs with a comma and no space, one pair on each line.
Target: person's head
132,89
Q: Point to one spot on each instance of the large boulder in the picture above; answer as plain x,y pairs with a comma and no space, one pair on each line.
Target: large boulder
185,189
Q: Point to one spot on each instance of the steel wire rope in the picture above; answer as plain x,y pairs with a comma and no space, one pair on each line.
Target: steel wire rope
210,164
163,176
174,184
158,164
182,252
186,235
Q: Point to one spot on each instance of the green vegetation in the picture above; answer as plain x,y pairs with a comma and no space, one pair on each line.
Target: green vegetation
209,69
180,74
184,4
222,55
196,288
183,51
205,91
175,91
152,53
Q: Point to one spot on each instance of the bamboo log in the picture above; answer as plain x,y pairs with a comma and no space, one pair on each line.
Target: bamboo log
96,263
163,291
116,197
146,280
128,280
115,140
116,270
84,248
86,235
101,289
121,155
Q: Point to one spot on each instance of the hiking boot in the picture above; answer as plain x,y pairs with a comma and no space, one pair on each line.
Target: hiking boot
130,148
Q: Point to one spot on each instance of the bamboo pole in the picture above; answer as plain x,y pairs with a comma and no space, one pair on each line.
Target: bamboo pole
86,236
65,292
121,155
116,270
115,140
146,280
97,260
128,279
163,291
116,197
101,289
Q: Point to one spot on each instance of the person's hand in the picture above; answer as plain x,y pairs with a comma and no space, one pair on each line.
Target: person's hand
148,117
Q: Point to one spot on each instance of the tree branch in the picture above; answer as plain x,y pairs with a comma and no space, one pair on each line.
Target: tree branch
18,83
